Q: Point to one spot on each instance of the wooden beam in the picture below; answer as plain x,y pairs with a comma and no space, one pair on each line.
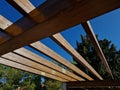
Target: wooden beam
28,62
4,23
25,4
3,37
36,16
59,39
26,53
63,18
47,51
88,29
63,70
95,84
29,69
17,7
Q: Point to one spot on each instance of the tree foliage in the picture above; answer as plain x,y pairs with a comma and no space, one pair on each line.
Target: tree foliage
86,49
53,85
11,79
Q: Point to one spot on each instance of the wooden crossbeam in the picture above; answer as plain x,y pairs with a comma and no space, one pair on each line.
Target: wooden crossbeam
63,18
95,84
63,43
47,51
26,53
28,62
29,69
88,29
3,37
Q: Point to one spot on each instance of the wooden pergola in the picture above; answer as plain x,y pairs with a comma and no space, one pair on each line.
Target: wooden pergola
47,20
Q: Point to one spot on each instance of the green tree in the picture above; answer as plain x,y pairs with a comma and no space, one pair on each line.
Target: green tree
53,84
86,49
13,78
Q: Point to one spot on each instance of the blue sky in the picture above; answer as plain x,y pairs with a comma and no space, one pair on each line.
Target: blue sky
106,26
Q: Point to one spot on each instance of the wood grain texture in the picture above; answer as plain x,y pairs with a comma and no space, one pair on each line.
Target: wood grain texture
64,44
4,23
25,4
26,53
88,29
47,51
29,69
16,58
59,20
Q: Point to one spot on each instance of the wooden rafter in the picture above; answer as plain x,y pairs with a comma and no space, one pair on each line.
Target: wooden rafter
63,43
29,69
16,58
47,51
26,53
63,18
88,29
95,84
26,5
3,36
4,23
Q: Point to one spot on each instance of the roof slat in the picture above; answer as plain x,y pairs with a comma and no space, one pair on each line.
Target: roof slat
26,5
47,51
16,58
38,59
29,69
88,29
59,39
4,23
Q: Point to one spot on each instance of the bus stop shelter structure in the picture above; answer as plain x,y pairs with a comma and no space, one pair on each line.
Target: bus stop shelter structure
48,20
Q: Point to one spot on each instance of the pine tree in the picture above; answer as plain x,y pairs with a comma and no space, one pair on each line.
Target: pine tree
86,49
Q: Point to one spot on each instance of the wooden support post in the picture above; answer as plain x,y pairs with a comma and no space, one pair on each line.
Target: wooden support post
64,86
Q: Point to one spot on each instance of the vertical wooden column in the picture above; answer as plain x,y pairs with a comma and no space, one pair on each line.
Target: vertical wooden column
64,86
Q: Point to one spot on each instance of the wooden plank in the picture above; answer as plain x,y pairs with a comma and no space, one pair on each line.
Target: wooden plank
25,4
28,62
17,7
47,51
63,19
3,37
88,29
4,23
29,69
63,43
95,84
26,53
